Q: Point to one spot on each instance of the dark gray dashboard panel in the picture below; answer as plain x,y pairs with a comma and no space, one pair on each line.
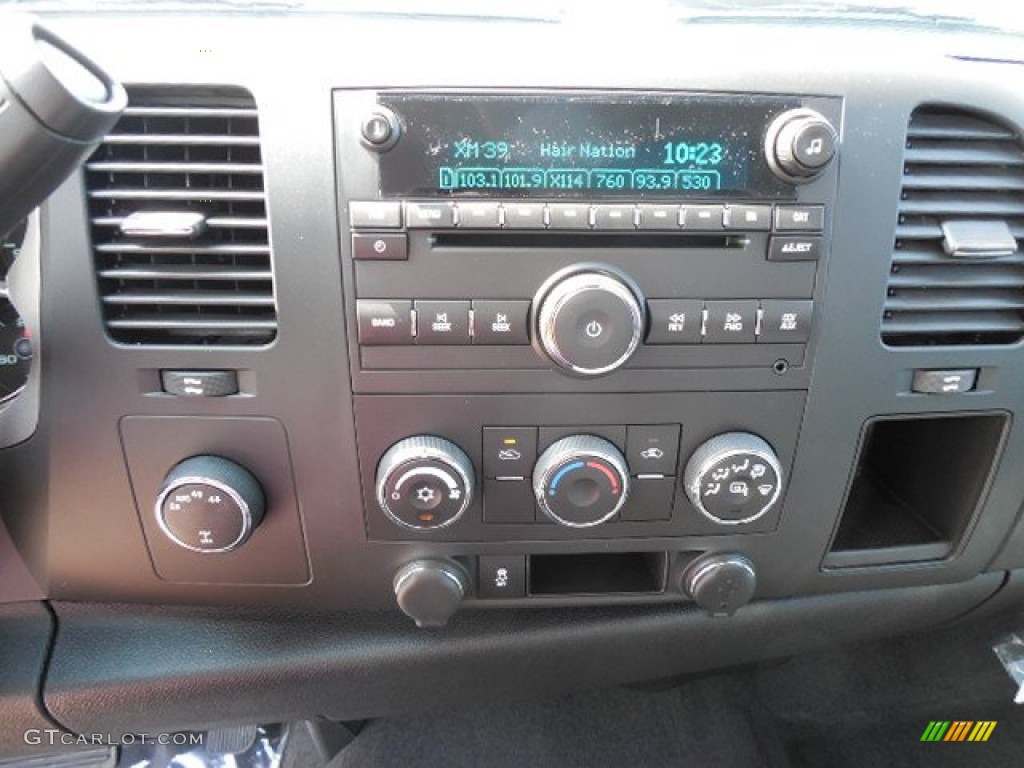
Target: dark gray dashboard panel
26,630
96,548
276,552
120,669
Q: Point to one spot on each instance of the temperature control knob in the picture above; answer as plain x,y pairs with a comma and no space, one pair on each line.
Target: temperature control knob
424,482
800,144
210,505
589,319
581,481
734,478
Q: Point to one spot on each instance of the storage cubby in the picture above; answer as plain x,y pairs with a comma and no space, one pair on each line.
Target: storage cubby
917,484
607,573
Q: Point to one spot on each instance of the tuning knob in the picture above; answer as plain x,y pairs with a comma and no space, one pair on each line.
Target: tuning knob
430,591
210,505
589,319
581,481
733,478
800,144
424,482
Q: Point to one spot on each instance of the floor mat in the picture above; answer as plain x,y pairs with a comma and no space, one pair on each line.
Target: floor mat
867,704
705,723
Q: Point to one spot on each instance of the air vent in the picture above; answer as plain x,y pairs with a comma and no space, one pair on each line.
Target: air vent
179,222
957,268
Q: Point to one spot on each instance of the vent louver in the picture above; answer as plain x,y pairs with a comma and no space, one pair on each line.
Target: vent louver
963,172
179,222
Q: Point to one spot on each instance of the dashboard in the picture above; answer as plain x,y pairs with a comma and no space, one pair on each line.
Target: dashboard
542,350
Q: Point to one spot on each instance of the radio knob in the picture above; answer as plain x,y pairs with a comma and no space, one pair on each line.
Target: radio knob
589,319
424,482
581,481
800,144
209,505
733,478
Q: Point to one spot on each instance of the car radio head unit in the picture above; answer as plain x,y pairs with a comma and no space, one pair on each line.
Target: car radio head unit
598,146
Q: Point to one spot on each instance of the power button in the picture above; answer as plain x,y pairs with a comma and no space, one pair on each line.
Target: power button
380,129
590,322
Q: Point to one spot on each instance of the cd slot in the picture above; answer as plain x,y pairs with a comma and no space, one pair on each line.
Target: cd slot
597,240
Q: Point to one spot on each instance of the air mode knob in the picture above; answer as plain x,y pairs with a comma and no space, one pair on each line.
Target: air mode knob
581,481
800,144
424,482
734,478
210,505
588,319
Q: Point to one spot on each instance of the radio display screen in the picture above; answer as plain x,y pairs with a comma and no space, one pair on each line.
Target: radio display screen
575,145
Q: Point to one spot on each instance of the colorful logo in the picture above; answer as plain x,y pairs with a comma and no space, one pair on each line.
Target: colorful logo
958,730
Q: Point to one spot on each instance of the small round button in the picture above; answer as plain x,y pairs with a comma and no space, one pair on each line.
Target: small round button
814,145
589,321
380,129
581,481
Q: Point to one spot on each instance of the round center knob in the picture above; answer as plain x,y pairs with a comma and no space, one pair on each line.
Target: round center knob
590,320
424,482
581,481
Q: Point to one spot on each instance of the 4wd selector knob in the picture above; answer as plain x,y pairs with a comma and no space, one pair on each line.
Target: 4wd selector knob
800,144
581,481
589,319
733,478
424,482
209,505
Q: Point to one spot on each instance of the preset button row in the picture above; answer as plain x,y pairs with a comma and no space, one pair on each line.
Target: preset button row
701,217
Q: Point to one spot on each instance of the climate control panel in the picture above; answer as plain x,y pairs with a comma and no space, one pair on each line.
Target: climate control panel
571,466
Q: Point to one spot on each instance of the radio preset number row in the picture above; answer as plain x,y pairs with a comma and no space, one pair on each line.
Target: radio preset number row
699,217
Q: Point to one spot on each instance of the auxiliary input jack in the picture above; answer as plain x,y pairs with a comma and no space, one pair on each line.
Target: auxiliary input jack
781,367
